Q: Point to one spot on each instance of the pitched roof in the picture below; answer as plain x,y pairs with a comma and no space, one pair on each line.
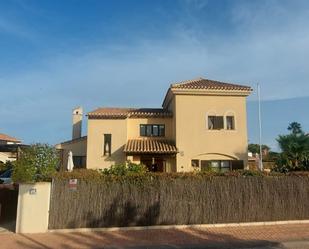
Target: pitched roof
111,112
73,140
201,83
150,146
8,138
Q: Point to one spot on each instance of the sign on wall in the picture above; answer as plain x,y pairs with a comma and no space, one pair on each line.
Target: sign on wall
73,184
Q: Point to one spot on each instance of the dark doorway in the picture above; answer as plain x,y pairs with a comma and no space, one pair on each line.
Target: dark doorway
8,206
154,164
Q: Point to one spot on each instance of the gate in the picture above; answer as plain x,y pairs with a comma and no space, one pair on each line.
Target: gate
8,206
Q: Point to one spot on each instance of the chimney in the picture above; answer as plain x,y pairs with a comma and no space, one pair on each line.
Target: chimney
77,122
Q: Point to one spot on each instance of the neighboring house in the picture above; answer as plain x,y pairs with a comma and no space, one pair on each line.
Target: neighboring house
78,144
6,139
202,124
9,148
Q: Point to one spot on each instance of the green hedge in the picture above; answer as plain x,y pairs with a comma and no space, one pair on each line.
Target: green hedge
98,175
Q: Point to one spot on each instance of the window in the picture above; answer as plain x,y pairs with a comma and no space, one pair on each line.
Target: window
79,161
237,164
211,122
142,130
161,130
225,166
148,130
152,130
107,146
155,130
216,165
230,123
195,163
215,122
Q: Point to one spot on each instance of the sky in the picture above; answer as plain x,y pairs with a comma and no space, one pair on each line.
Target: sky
56,55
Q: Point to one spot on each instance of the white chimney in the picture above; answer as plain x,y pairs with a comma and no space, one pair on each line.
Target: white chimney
77,122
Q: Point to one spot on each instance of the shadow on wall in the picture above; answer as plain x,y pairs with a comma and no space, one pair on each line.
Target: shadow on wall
117,156
125,216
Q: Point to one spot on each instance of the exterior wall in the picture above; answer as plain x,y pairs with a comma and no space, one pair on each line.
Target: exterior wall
172,107
78,148
4,142
195,141
96,130
4,157
134,127
33,208
77,123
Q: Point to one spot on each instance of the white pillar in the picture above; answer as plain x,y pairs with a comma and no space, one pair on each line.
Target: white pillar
33,208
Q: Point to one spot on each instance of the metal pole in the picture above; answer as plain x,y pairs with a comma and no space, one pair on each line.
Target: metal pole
260,128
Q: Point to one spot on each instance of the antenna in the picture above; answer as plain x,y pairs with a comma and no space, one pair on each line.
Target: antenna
260,127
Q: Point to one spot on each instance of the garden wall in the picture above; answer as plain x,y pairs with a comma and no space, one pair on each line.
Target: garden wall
182,200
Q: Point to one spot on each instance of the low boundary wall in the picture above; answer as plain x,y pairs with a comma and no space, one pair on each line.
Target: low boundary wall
180,201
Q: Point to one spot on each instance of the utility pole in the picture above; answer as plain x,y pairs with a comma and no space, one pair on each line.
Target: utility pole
260,128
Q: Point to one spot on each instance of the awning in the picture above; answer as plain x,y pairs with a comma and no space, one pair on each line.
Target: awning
155,146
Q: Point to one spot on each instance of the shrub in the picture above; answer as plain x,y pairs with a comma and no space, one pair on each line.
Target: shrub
125,169
83,174
37,162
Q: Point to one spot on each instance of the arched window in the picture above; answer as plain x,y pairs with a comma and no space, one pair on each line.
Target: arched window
230,123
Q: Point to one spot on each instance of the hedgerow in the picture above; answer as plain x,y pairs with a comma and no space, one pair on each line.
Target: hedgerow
117,175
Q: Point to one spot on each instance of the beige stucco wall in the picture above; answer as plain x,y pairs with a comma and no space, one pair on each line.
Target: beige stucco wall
78,148
187,127
33,208
7,156
134,127
96,130
195,141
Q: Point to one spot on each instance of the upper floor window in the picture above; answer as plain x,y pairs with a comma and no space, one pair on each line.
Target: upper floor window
151,130
107,145
215,122
230,123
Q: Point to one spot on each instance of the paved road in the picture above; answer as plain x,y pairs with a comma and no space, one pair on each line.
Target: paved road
257,237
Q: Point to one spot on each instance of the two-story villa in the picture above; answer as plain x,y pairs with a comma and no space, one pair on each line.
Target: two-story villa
202,124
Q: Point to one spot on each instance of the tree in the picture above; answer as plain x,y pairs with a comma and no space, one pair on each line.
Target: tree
295,128
294,149
255,148
37,162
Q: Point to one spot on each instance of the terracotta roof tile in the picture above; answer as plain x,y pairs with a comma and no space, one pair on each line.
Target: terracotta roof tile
110,112
150,146
8,138
201,83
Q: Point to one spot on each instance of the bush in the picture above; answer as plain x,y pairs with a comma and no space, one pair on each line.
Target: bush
37,162
121,173
82,174
125,169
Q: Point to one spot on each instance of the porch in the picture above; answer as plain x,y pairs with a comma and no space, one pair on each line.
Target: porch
156,155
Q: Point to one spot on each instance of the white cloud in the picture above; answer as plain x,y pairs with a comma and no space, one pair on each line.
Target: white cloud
272,52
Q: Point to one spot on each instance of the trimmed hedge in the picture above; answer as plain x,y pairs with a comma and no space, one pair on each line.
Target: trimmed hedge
177,198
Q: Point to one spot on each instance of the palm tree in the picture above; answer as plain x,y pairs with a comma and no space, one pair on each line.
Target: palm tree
295,146
295,128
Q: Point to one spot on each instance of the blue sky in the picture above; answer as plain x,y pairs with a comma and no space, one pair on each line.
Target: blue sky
55,55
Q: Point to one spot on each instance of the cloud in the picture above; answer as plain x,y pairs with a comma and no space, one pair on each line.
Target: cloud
268,44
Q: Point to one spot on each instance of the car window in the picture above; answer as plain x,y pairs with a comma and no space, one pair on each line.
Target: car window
6,174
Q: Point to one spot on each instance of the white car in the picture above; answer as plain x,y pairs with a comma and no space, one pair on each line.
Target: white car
6,177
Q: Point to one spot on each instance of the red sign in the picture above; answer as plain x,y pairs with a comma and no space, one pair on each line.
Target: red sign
73,184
